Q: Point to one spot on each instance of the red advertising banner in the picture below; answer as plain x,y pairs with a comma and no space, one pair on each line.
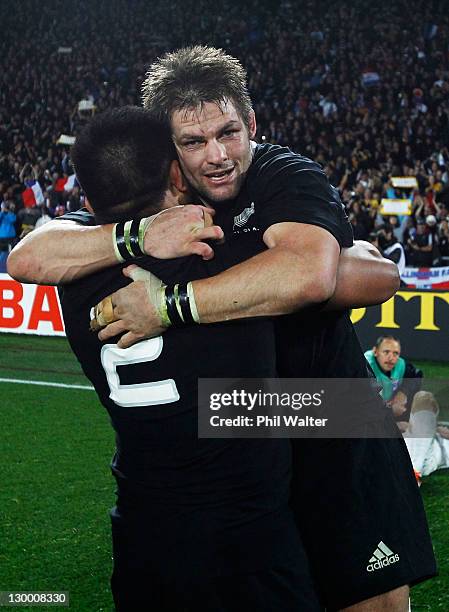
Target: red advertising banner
29,309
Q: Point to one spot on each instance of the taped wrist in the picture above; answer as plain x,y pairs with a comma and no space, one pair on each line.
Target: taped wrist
128,237
155,289
177,305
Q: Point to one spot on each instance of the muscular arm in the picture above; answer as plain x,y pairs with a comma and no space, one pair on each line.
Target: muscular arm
62,251
298,269
259,286
364,278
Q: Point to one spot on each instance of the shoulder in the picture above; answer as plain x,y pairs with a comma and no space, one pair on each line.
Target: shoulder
272,160
277,172
411,371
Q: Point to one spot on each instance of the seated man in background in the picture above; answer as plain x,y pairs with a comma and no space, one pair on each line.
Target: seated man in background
399,378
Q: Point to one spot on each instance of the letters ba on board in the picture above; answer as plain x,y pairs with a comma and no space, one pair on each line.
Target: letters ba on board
29,309
420,319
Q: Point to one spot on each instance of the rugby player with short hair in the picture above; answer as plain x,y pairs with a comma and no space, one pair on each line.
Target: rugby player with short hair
266,195
199,524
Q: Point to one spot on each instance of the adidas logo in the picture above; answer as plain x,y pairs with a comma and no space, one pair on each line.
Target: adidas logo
382,557
243,217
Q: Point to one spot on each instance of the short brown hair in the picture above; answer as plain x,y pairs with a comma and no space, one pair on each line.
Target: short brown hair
189,77
380,339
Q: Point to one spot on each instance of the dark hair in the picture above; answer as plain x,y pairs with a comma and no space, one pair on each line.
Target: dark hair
189,77
122,160
380,339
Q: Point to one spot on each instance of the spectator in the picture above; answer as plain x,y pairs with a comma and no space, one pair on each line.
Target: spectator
399,378
420,246
387,243
353,84
7,226
44,217
443,241
74,201
27,218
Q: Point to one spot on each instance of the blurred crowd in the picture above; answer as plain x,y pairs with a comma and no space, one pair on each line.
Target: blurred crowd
361,86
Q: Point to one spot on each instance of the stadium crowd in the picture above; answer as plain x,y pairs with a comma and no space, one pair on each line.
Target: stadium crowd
360,86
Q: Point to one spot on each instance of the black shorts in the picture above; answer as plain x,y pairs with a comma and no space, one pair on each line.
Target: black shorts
275,590
361,517
168,567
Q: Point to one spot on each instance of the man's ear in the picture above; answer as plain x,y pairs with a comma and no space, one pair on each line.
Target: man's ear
177,180
252,126
88,206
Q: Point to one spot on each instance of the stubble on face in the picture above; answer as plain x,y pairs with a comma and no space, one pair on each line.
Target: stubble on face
388,354
214,148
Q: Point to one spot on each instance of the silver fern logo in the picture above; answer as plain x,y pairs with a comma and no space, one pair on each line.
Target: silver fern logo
242,218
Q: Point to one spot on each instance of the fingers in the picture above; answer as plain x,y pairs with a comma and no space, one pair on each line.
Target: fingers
209,233
128,340
208,213
112,330
104,314
207,210
128,271
202,249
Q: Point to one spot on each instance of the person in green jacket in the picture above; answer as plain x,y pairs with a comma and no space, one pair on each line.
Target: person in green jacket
399,378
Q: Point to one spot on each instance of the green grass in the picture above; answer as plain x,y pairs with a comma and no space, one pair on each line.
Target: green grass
56,487
39,358
56,445
433,595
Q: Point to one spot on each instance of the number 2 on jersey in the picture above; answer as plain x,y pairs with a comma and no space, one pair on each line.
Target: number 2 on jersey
141,394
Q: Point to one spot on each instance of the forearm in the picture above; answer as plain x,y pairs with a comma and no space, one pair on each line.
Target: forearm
61,251
275,282
364,278
298,269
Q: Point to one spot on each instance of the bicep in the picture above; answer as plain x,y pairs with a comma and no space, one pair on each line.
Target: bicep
305,240
316,251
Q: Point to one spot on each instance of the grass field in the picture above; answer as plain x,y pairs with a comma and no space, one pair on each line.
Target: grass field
56,488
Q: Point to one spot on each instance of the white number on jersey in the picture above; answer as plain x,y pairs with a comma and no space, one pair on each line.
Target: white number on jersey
142,394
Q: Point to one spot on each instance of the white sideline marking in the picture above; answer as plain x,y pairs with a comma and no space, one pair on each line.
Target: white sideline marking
42,383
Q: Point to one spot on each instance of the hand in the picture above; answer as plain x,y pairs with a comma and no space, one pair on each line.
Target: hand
180,231
399,404
135,316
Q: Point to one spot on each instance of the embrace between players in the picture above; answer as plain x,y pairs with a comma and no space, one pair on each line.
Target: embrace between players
223,525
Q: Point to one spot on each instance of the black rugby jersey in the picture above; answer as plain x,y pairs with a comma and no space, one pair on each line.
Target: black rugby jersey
284,186
227,491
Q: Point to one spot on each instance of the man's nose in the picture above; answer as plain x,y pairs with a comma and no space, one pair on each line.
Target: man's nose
216,152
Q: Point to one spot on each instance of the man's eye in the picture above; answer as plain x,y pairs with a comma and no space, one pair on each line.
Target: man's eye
192,143
230,132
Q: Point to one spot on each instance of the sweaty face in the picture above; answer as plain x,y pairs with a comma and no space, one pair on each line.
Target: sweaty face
387,354
214,149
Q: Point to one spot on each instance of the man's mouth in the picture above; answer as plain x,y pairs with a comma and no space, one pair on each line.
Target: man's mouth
220,175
